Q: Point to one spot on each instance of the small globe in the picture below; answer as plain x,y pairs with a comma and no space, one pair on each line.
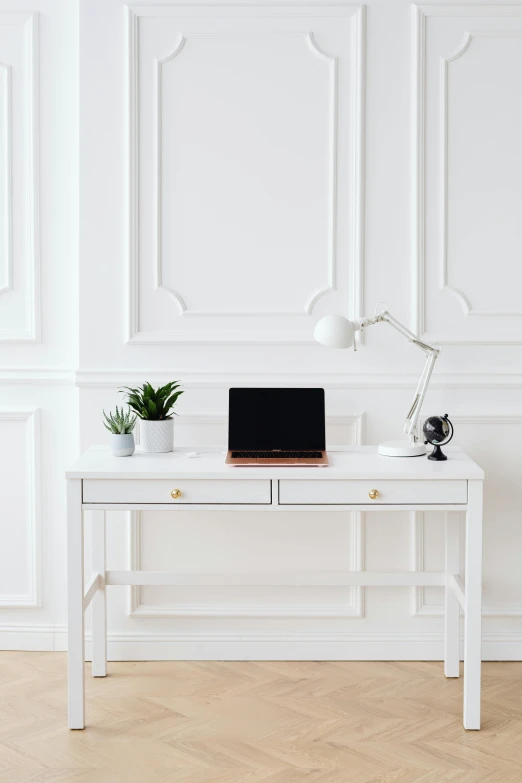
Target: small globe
437,430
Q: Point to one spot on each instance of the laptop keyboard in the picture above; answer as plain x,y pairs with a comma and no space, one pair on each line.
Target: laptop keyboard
277,454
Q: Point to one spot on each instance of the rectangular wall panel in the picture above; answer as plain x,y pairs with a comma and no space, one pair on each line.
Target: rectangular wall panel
20,553
19,274
467,233
495,441
39,99
6,258
229,533
245,153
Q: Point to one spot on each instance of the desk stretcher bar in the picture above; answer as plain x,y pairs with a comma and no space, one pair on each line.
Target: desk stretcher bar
267,579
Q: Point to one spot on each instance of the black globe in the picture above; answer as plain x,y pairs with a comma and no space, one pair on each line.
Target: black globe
437,430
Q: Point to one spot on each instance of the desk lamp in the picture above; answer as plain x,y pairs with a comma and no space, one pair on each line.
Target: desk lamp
335,331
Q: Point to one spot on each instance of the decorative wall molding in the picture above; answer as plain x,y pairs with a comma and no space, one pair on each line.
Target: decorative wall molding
34,637
6,197
108,369
420,14
331,63
31,334
332,189
159,63
353,608
37,375
473,10
33,597
418,168
100,378
259,335
444,66
343,646
358,187
132,184
445,62
419,607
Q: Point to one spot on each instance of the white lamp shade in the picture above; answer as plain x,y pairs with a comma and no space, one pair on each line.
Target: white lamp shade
335,331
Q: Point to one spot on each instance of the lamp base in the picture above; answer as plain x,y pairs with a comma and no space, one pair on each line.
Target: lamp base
401,448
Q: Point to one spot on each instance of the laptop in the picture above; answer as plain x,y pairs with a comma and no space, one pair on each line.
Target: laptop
276,427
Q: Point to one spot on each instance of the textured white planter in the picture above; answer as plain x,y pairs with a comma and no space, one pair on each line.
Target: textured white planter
122,445
157,436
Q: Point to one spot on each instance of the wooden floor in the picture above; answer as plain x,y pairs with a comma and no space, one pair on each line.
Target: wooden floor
250,722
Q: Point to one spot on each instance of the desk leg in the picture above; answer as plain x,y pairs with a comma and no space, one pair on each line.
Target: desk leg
451,603
473,607
99,601
75,633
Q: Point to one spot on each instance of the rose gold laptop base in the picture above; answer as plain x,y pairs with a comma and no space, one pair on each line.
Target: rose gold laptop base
289,461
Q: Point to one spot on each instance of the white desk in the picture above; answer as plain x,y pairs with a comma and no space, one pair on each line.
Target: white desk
98,482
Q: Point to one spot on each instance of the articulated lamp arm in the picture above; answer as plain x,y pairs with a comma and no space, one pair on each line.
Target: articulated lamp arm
410,424
336,331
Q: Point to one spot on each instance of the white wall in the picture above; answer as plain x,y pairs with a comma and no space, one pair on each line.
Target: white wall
38,310
245,169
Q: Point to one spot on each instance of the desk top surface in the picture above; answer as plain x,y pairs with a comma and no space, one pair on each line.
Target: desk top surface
346,462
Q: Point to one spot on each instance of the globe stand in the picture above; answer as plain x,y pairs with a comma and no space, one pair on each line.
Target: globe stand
437,436
437,454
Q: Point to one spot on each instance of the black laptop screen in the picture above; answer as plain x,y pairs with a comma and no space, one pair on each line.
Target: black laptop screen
266,419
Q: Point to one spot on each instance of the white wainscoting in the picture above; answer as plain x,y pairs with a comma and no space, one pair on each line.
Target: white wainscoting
212,95
20,512
347,430
496,440
38,419
38,312
223,380
216,226
6,205
342,646
467,235
19,182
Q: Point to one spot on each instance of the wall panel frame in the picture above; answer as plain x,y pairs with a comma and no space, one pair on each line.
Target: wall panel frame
31,423
250,326
419,606
430,180
20,251
354,606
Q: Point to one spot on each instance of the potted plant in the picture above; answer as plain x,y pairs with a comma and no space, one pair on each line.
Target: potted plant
120,425
154,408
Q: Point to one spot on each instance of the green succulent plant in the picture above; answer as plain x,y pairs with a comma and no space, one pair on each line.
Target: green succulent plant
119,423
153,404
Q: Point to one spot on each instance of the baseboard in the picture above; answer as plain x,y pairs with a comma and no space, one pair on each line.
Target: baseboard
506,646
37,638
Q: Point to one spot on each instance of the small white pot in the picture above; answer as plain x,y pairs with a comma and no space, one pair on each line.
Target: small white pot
122,445
157,436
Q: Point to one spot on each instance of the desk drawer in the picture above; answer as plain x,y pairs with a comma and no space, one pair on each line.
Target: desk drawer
191,491
331,492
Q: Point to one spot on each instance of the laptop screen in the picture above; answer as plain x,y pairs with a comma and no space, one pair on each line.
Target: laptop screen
267,419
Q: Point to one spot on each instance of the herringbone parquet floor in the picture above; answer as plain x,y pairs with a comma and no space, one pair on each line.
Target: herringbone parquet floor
257,722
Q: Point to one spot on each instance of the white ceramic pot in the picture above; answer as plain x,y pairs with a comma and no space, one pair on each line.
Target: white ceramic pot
157,436
122,445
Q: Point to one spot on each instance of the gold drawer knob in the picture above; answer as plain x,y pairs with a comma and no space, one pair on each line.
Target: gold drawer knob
176,493
374,494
